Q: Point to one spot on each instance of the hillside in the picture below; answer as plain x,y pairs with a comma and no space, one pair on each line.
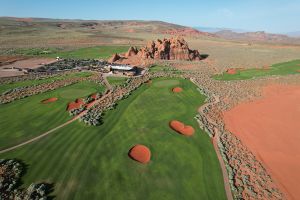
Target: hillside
30,32
259,36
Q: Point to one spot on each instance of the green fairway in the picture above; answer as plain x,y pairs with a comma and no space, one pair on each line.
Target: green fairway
292,67
113,80
98,52
8,86
25,118
92,162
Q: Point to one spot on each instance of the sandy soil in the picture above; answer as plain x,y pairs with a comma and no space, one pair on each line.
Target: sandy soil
231,71
30,63
140,153
6,70
10,72
177,89
50,100
182,128
270,128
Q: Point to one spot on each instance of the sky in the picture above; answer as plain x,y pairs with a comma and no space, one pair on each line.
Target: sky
275,16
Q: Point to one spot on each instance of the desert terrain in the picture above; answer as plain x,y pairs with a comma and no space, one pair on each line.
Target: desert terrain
212,117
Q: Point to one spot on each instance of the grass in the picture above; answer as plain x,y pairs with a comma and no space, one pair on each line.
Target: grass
158,68
286,68
28,117
92,162
113,80
8,86
98,52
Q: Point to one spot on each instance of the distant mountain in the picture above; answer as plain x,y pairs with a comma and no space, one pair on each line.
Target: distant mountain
214,29
259,36
294,34
74,32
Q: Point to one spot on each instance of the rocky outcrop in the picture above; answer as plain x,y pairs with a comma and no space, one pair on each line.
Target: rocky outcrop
132,51
166,49
114,58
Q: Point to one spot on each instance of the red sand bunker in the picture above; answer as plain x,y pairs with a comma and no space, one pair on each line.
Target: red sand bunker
270,128
177,89
181,128
140,153
52,99
75,105
94,95
231,71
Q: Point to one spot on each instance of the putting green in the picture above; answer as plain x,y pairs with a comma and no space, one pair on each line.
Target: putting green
166,83
92,162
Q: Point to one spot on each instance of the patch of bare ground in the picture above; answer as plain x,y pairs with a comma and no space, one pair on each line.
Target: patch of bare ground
30,63
230,54
269,127
14,65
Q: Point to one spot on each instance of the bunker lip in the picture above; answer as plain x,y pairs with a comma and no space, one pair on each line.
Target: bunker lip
181,128
269,127
49,100
140,153
177,89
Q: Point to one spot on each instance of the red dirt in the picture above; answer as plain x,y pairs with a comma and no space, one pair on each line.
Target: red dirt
177,89
231,71
298,70
182,128
52,99
94,96
140,153
75,105
269,127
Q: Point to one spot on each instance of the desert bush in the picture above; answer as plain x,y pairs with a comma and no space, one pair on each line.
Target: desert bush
77,111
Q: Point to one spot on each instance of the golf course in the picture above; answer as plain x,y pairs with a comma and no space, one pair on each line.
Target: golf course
92,162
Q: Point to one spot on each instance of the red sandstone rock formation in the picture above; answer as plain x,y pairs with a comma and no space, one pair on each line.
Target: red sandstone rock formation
166,49
132,51
114,58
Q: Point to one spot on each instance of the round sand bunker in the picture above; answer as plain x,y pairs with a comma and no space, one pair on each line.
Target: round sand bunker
177,89
181,128
50,100
140,153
